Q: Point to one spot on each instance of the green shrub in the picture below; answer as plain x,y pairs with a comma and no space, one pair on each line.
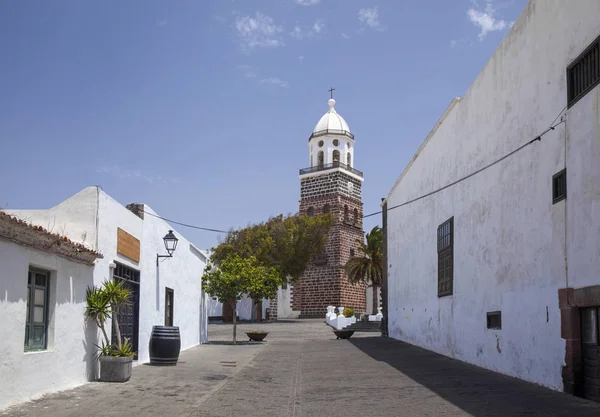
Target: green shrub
348,312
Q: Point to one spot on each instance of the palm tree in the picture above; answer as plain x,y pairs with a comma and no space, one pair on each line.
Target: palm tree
367,265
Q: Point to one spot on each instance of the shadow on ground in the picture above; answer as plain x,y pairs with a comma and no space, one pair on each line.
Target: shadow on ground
253,323
477,391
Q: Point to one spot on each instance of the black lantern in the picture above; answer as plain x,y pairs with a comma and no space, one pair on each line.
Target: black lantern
170,244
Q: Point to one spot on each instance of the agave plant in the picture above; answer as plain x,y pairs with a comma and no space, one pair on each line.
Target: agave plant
104,303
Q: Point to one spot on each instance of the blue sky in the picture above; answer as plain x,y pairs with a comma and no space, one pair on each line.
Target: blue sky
202,109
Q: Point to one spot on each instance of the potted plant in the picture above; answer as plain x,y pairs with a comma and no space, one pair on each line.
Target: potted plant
257,335
104,303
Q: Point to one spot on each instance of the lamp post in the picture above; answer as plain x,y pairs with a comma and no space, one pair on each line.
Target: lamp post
170,244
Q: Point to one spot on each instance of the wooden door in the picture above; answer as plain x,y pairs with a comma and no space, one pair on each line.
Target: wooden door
591,353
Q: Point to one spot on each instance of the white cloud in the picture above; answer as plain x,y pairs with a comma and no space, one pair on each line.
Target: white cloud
301,58
247,70
123,173
275,81
161,23
485,20
317,28
259,31
370,17
297,33
345,36
307,2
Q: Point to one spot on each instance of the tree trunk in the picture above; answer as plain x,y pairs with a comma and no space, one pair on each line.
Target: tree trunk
117,329
234,307
375,299
101,325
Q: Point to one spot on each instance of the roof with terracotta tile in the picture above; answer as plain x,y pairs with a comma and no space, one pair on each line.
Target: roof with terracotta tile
19,231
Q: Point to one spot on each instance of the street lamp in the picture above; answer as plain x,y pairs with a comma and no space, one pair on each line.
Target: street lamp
170,244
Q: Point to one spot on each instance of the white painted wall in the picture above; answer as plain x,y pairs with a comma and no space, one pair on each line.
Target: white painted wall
68,361
509,241
244,308
369,297
345,146
76,218
284,304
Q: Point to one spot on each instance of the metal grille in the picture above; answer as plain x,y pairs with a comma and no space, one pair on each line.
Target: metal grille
559,186
584,73
445,246
129,315
324,167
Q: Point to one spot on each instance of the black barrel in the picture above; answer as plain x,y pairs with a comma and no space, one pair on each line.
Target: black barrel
165,344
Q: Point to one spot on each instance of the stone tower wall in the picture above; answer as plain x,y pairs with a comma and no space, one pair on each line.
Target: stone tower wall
325,281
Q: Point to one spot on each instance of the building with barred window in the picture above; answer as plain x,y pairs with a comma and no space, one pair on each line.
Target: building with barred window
501,269
164,291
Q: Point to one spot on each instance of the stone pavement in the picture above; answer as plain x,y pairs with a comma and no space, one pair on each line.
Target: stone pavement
303,371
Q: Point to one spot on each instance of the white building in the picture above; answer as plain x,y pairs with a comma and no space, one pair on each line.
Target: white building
130,240
45,345
486,270
243,307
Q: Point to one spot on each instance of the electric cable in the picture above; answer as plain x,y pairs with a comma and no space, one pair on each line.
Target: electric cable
537,138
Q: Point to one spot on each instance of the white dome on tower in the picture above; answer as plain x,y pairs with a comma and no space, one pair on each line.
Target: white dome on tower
332,122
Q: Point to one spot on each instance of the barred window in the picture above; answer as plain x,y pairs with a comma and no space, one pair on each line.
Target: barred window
584,73
445,248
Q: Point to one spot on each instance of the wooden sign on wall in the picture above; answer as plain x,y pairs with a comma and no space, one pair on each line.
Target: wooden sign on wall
127,245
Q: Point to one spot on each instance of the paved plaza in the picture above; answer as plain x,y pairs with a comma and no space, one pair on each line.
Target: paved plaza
302,370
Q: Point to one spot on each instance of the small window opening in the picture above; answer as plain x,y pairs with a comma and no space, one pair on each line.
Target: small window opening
494,320
559,186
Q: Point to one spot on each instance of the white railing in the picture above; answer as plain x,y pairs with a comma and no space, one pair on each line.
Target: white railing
339,321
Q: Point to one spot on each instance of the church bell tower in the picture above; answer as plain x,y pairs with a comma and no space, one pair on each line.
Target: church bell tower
331,184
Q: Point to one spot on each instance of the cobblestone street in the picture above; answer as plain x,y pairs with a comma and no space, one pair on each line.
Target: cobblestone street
302,370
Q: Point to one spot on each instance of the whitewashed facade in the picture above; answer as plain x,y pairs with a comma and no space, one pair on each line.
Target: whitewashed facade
130,244
53,274
515,249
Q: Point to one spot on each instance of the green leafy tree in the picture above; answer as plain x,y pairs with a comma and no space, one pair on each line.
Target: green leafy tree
237,276
104,303
367,265
285,243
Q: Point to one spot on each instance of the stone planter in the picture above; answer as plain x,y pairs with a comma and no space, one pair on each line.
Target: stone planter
115,369
257,337
343,334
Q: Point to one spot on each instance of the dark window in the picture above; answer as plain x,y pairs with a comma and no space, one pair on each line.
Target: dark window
320,259
321,159
349,159
310,211
351,252
169,300
36,323
445,248
346,214
584,73
356,219
326,209
494,320
559,186
125,273
336,157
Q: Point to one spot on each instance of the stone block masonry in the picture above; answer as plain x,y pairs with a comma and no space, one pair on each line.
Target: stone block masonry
325,281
